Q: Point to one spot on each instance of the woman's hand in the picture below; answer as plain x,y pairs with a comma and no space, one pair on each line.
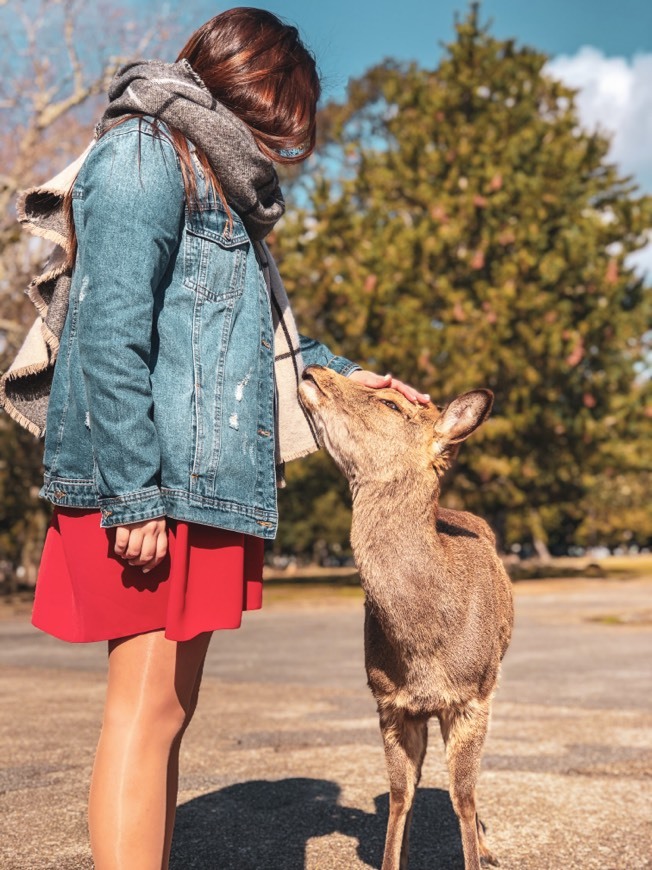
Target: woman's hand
369,379
144,543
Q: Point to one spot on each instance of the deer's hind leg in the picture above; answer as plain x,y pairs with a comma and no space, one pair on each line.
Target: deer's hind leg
464,735
405,739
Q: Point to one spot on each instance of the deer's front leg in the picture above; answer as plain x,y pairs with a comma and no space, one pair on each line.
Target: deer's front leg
405,739
464,735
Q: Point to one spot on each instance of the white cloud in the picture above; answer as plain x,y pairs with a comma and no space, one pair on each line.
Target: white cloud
615,96
642,260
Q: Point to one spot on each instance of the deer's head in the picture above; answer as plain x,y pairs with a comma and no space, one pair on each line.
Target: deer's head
378,435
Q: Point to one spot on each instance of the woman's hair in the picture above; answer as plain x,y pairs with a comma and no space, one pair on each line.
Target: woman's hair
259,68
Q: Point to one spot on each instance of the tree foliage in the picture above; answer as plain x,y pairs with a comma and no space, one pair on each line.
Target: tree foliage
461,229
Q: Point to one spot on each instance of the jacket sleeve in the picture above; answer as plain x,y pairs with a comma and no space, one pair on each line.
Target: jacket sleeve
128,225
316,353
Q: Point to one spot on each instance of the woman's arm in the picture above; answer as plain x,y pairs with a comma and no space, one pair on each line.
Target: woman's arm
316,353
129,227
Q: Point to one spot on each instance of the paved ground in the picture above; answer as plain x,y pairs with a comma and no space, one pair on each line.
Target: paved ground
283,768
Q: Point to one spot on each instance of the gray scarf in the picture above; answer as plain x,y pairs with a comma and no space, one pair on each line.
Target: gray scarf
176,95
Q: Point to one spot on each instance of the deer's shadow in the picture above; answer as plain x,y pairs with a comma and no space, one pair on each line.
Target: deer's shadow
265,825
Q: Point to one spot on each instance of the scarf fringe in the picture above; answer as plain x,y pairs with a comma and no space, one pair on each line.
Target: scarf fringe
20,418
51,340
49,234
5,402
27,218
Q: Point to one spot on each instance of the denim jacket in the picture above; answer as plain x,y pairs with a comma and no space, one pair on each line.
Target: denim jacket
168,339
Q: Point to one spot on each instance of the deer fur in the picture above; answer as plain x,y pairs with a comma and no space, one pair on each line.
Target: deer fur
438,602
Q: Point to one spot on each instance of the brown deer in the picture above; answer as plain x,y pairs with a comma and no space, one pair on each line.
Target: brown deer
438,602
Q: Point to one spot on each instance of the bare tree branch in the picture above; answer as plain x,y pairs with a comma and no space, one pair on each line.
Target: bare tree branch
69,34
11,325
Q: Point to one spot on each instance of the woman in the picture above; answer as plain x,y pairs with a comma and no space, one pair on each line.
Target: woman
161,425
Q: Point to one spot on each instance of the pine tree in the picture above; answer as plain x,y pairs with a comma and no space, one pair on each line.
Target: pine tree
461,229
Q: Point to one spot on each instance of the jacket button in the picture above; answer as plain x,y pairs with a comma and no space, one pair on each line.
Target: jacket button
106,512
266,344
264,432
59,493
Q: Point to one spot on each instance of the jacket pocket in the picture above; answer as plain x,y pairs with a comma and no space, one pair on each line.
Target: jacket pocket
214,254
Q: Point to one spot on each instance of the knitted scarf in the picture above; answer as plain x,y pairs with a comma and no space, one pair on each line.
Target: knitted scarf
177,96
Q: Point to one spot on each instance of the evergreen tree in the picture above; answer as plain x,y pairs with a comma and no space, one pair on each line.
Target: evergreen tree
461,229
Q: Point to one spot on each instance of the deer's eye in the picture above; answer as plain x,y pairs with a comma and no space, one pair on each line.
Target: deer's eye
391,405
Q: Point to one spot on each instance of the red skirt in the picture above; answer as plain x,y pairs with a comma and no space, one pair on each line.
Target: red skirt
85,592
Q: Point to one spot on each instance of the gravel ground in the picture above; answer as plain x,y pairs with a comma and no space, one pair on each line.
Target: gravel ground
283,767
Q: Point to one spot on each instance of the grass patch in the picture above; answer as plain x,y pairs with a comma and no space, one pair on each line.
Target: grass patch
635,619
315,577
553,569
608,619
310,594
627,566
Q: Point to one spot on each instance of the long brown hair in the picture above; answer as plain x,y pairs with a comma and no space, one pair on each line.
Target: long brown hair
258,67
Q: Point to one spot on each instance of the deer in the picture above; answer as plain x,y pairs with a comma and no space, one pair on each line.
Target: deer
438,601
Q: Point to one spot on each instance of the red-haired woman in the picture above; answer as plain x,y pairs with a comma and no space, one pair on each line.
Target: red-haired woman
173,401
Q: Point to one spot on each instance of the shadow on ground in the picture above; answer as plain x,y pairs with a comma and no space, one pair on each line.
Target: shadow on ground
262,825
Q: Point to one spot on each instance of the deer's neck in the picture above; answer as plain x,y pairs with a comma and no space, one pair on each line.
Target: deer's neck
395,542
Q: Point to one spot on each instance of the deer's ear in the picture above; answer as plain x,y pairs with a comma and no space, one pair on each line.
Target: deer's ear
463,416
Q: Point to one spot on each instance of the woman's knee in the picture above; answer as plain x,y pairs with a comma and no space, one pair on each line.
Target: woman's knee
157,717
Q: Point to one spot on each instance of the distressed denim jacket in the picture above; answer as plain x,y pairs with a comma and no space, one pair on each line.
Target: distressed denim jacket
168,340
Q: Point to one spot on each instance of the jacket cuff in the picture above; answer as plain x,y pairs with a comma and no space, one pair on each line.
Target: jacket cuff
342,366
133,507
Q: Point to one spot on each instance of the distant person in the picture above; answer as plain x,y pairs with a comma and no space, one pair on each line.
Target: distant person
173,402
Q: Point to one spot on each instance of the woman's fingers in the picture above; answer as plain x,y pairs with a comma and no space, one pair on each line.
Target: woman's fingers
135,544
143,544
147,550
409,392
371,379
121,540
161,549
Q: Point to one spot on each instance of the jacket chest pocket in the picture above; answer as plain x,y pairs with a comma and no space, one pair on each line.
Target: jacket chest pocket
214,254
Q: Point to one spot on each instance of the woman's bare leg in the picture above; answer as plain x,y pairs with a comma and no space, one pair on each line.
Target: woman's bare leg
152,689
173,773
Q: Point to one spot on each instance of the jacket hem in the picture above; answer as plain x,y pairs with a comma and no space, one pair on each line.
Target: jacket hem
180,505
236,517
132,507
68,492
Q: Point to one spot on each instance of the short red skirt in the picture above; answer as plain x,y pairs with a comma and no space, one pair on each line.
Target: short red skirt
85,592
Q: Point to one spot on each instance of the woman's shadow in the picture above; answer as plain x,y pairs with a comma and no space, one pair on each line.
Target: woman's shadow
263,825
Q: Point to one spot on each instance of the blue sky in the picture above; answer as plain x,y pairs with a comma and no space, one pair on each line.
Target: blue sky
350,35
